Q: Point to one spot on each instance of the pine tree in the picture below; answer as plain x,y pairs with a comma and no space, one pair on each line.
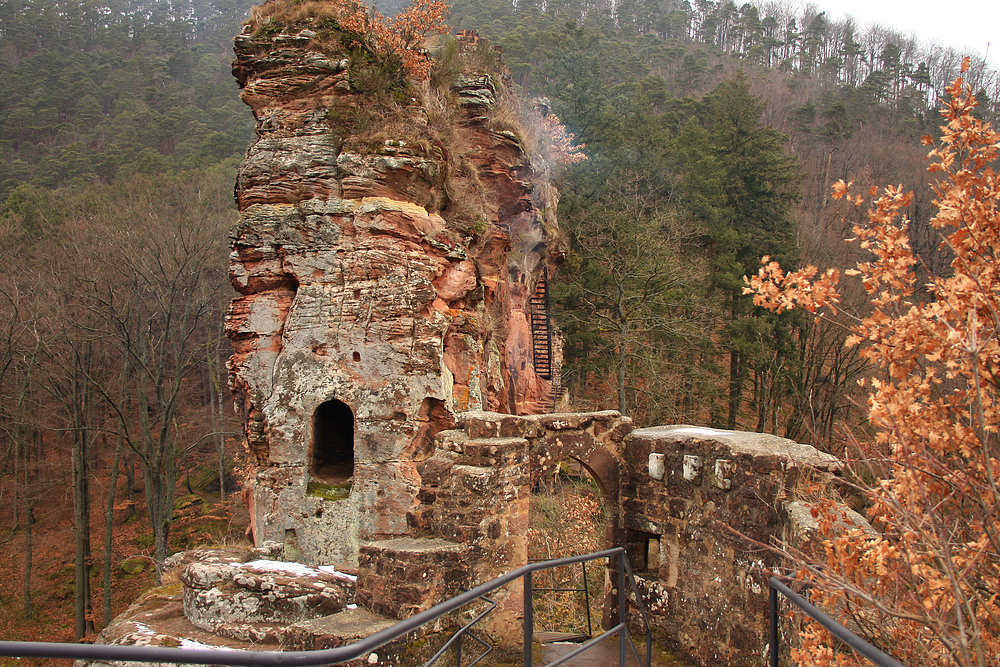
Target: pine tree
740,184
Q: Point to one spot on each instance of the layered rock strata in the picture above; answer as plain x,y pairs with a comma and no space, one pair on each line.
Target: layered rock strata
385,253
233,598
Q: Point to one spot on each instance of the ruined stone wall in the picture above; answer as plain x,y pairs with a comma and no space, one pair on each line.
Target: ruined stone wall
374,304
477,488
686,490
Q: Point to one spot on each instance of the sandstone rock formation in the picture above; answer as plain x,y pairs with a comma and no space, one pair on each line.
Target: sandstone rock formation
253,601
387,247
236,598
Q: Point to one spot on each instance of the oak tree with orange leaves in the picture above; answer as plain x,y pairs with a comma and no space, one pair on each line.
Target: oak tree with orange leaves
926,587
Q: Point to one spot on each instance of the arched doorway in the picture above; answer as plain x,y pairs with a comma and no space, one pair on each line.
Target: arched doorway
570,514
331,454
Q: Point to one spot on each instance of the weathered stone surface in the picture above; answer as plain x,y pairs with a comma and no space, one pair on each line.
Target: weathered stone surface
249,601
802,528
760,446
694,531
217,555
333,631
157,619
365,278
401,577
480,424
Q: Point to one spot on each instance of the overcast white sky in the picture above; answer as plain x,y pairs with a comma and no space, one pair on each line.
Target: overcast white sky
964,24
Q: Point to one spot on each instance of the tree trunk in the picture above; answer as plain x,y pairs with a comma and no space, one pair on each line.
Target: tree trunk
621,382
28,520
109,526
762,400
84,622
215,398
160,501
735,389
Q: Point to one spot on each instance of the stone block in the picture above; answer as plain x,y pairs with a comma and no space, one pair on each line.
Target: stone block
481,424
424,571
247,600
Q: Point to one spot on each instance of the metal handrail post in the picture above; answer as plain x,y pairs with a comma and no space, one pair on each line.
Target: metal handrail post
622,610
772,630
586,599
529,620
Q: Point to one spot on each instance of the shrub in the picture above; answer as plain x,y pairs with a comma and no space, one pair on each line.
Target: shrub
389,39
927,585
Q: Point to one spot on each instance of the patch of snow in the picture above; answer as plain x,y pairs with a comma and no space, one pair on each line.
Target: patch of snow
298,569
697,430
143,629
352,606
190,643
329,569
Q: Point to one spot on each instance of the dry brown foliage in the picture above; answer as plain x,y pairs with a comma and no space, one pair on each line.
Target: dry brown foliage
926,587
400,37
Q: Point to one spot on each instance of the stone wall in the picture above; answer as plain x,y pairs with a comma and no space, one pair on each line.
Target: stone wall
691,499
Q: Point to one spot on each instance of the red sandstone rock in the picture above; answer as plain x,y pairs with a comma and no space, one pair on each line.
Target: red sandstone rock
384,263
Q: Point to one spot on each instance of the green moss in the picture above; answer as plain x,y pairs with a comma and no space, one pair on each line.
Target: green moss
480,224
328,491
175,588
186,501
133,566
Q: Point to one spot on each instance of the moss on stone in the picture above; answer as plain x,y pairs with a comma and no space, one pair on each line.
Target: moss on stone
133,566
328,491
187,500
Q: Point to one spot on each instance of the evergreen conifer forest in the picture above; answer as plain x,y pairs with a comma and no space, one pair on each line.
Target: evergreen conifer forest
712,133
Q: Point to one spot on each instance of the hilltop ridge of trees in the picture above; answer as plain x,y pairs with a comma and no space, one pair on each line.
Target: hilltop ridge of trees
886,65
98,89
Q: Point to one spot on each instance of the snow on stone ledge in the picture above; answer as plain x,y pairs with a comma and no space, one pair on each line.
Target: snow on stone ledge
294,569
743,442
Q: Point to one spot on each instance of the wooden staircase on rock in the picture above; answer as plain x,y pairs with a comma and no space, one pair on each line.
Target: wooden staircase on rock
541,328
543,352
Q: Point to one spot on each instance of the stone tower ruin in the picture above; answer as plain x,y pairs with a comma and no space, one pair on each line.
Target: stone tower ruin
385,258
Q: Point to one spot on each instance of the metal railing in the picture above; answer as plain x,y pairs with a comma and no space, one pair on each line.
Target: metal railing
582,589
624,576
110,652
874,655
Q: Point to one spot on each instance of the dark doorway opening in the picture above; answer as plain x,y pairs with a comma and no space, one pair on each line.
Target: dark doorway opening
332,457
